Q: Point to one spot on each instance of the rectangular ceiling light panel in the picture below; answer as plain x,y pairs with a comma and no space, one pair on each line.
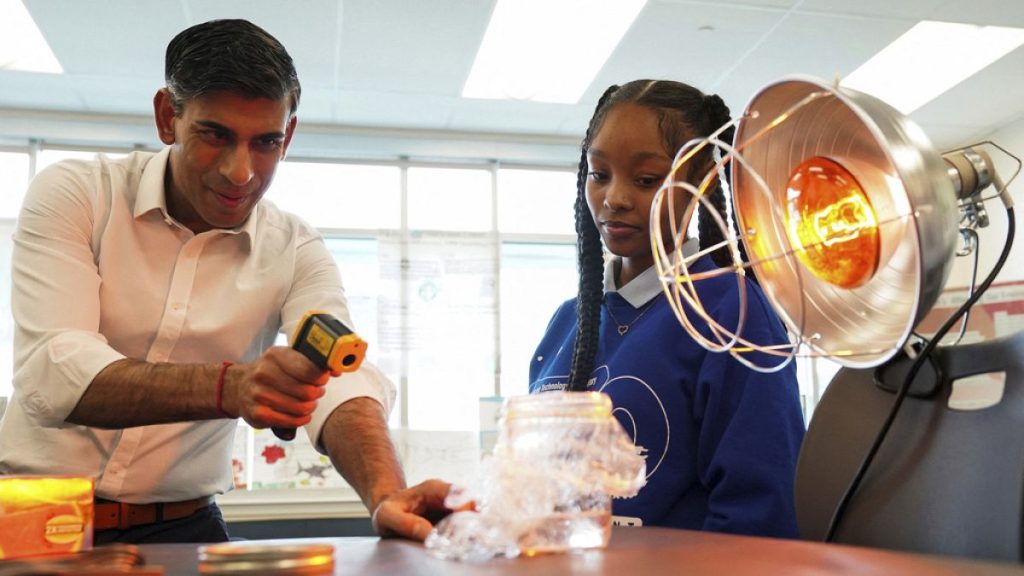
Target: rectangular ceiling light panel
22,46
929,59
547,50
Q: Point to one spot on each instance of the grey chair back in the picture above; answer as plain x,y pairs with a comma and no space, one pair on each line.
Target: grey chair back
944,481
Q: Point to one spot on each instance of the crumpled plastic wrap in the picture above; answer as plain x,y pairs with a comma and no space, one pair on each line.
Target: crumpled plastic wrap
559,459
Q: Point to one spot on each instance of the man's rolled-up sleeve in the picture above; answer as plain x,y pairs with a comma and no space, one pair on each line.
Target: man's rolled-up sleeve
367,381
58,349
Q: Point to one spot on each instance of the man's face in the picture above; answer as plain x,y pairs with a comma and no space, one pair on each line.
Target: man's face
225,149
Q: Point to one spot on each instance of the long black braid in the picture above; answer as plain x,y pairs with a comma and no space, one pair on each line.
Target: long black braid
684,113
589,264
717,114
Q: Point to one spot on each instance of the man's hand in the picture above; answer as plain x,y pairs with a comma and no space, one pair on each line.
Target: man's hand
279,389
357,438
411,513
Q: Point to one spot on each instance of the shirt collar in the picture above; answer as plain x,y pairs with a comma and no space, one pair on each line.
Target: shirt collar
647,285
152,197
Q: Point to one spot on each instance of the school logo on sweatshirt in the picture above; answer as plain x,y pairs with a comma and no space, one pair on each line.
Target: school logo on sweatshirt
636,405
641,413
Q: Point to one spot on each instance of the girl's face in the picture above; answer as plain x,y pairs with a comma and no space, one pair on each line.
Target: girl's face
628,163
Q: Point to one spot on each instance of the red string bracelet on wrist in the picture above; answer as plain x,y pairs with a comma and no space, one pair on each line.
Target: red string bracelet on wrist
220,389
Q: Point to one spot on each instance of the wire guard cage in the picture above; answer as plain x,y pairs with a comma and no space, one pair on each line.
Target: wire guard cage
905,217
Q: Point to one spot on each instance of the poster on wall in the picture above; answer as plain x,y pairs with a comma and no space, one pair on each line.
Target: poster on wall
241,455
277,464
1000,312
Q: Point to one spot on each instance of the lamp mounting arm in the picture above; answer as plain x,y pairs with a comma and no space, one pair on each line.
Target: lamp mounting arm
971,170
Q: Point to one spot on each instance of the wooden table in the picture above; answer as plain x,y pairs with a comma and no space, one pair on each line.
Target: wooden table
632,551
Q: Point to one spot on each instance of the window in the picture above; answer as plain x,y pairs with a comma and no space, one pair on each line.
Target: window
6,319
535,280
538,263
339,195
450,199
46,157
536,201
14,167
370,300
450,332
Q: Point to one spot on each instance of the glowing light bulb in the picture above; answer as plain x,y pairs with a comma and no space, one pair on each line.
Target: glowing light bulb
831,223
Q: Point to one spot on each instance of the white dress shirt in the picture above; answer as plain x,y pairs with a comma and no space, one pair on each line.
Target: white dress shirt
101,272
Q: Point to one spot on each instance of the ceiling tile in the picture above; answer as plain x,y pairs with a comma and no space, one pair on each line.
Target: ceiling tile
37,90
979,105
693,43
391,65
425,47
840,44
108,38
990,12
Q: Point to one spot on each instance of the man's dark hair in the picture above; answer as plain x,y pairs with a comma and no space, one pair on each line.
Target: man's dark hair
232,56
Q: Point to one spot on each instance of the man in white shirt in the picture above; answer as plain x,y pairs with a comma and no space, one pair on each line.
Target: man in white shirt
147,295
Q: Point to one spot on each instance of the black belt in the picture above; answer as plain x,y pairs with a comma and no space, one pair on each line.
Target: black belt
109,514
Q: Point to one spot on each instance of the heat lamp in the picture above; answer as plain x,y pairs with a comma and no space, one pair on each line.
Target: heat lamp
849,217
851,220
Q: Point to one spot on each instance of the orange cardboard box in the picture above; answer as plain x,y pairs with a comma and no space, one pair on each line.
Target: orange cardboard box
45,515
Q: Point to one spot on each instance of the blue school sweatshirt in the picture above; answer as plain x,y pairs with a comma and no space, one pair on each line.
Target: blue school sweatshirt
720,439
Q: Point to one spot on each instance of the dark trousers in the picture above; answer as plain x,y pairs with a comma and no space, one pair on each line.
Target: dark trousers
206,525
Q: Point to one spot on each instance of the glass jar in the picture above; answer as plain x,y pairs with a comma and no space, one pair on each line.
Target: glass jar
559,459
578,457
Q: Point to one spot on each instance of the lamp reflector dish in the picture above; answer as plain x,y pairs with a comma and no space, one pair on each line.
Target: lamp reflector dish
860,313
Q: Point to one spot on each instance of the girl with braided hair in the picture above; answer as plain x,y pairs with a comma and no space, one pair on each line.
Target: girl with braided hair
720,440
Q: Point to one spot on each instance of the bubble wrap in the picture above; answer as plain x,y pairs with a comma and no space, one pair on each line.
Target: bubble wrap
547,487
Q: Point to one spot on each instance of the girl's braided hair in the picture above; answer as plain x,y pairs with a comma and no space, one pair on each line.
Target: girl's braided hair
684,112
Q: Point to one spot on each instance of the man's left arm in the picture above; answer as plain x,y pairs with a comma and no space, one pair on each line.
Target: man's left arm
357,439
351,421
